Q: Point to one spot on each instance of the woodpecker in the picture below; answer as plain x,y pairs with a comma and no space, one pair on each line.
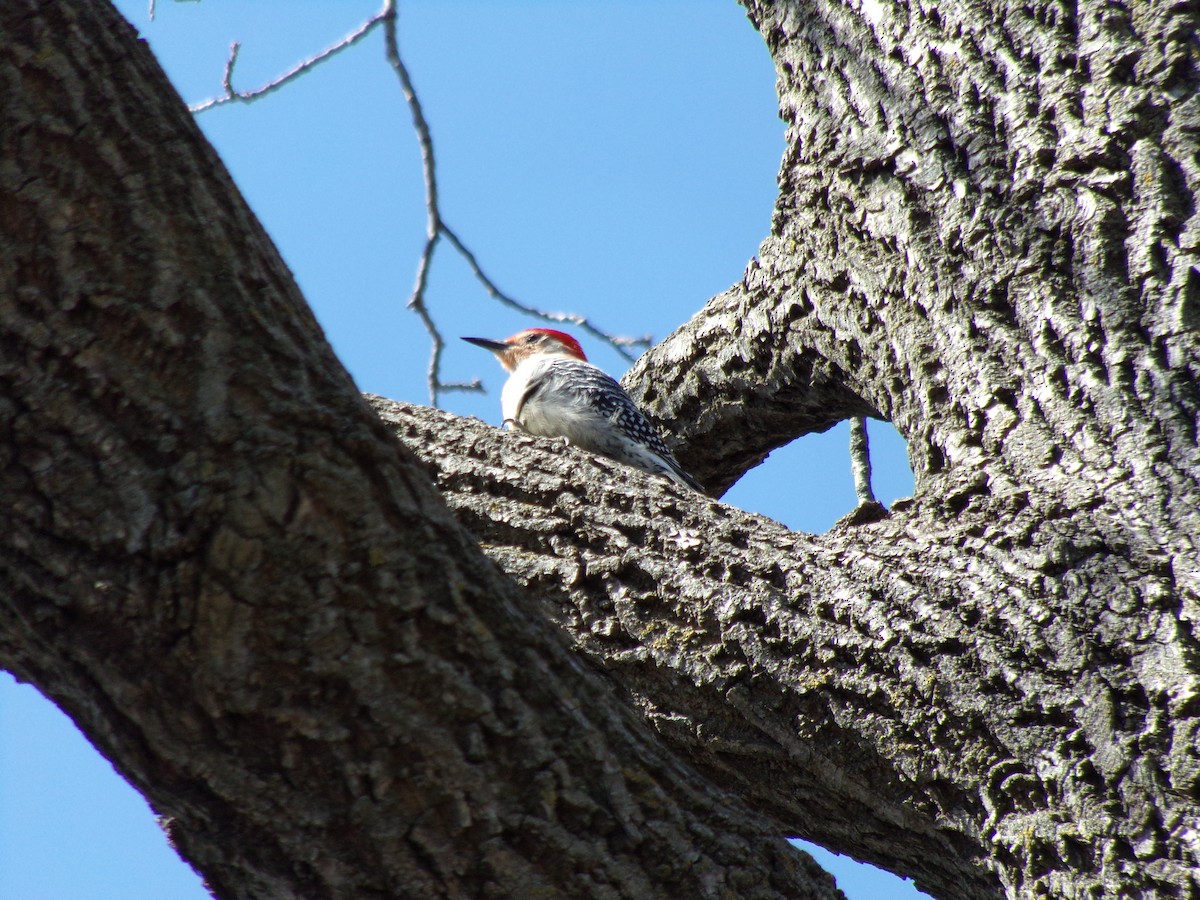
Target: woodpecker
554,391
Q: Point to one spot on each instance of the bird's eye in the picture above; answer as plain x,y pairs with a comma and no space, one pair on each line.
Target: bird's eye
533,338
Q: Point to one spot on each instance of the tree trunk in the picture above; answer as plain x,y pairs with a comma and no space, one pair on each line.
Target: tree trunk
987,233
253,600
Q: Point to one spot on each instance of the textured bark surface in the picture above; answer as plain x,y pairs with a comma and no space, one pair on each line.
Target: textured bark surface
987,233
240,586
937,692
255,602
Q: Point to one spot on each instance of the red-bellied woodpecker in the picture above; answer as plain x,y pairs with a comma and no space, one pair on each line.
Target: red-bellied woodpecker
554,391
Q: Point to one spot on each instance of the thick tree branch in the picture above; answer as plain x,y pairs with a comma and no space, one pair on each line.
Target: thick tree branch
733,385
241,588
917,691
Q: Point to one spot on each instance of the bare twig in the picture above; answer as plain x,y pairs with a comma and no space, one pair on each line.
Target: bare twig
153,5
436,228
227,78
860,460
433,224
416,302
618,342
290,75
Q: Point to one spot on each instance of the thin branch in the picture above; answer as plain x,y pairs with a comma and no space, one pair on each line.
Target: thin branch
417,304
290,75
433,223
424,137
619,343
860,460
437,228
227,78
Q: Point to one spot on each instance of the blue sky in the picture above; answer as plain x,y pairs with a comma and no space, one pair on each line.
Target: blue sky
614,159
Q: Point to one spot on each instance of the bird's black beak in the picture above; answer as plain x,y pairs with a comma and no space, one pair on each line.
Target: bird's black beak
488,344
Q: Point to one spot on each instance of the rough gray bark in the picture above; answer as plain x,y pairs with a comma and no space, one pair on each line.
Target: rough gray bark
924,692
987,233
255,604
218,562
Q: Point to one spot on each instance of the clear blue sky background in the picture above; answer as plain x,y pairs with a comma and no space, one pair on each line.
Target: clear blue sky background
614,159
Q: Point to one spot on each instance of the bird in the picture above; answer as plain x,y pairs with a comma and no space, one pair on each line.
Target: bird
553,391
